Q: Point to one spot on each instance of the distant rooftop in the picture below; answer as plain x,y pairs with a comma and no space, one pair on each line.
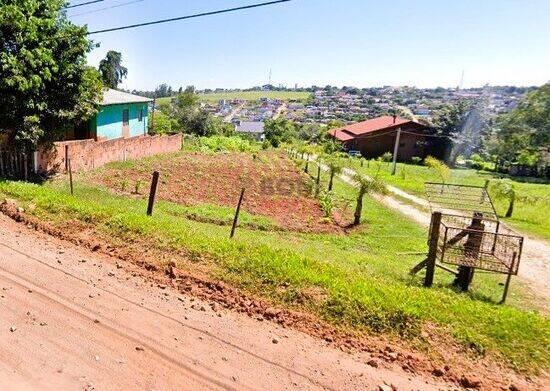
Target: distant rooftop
115,97
250,127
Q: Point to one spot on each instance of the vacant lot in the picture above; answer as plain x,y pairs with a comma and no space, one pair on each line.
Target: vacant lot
358,280
532,208
275,192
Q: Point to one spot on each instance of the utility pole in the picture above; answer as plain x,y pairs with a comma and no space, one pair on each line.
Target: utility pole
395,149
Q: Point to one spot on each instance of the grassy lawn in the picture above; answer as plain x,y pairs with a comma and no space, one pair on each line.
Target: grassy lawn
250,95
357,281
531,215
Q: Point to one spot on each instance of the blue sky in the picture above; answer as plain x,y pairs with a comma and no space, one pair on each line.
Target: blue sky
424,43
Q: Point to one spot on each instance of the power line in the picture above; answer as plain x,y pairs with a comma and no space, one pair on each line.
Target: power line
187,16
81,4
426,135
105,8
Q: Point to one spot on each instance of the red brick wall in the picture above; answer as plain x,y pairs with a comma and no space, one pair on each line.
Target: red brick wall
88,154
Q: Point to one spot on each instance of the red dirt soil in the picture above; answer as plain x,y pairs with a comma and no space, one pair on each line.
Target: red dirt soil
275,188
448,362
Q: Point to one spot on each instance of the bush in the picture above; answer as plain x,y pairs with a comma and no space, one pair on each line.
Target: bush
439,167
222,143
387,157
160,123
326,200
416,160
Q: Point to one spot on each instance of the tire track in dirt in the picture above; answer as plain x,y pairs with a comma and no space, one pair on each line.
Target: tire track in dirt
116,330
52,305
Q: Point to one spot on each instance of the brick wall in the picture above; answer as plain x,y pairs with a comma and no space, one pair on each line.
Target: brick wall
88,154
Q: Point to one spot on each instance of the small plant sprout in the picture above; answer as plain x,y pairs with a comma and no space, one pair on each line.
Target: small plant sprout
124,185
387,157
326,201
138,186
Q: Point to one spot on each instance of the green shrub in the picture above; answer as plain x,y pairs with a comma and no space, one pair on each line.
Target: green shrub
416,160
387,157
326,200
441,169
230,144
160,123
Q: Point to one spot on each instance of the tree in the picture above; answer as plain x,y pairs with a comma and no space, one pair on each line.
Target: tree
440,168
521,133
161,123
335,167
111,69
502,189
191,118
45,85
215,125
366,185
163,90
280,130
311,132
448,122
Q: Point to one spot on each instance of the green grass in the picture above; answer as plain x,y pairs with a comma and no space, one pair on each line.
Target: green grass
357,281
250,96
531,216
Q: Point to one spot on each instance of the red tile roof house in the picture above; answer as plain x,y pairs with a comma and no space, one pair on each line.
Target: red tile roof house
376,136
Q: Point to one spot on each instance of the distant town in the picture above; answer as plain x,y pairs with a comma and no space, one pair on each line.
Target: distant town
347,104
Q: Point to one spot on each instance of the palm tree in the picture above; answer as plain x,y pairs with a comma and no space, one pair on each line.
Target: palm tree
111,69
502,189
366,185
334,167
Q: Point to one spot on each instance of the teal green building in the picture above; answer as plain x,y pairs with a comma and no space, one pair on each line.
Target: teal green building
121,115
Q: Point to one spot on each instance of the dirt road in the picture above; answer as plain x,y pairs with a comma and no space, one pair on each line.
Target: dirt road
73,319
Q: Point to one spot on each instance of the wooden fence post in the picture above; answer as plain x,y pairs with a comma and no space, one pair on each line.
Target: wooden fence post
25,167
432,253
70,175
306,168
508,278
152,193
472,248
2,163
66,157
236,218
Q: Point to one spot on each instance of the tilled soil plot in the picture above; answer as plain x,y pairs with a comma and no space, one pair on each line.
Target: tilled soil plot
274,186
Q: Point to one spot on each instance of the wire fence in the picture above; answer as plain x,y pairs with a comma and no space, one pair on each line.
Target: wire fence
478,242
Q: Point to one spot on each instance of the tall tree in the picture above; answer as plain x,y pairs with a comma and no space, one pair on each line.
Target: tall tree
521,133
112,71
45,85
279,130
448,122
192,118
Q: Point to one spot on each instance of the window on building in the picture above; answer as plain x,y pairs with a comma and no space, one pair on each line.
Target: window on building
125,117
140,115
